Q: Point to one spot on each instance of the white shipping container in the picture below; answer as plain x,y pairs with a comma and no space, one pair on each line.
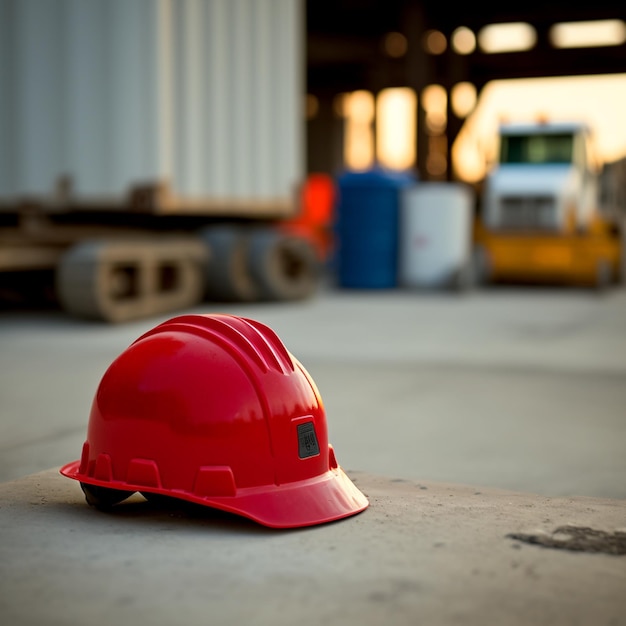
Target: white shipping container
201,95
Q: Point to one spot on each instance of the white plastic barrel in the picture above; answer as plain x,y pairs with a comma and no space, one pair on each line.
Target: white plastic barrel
435,234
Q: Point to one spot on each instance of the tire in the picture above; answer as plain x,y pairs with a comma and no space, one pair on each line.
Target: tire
227,277
120,279
283,266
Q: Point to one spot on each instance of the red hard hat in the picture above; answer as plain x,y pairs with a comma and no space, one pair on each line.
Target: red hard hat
213,409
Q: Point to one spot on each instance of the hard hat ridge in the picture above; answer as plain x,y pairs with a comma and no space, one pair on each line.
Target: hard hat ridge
259,342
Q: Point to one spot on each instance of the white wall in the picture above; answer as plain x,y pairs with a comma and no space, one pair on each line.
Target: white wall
205,94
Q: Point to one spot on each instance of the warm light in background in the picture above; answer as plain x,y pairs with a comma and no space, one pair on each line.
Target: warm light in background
598,100
396,128
434,98
435,101
339,104
463,40
359,109
511,37
311,106
463,99
360,106
586,34
436,162
434,42
395,45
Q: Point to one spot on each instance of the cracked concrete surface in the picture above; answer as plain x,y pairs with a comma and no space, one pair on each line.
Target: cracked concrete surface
431,553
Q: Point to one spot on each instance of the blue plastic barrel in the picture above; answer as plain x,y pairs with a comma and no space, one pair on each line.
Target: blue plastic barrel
366,228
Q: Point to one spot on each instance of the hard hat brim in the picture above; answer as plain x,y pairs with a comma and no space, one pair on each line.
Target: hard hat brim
325,498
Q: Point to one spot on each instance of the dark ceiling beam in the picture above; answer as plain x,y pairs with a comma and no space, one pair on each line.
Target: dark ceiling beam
565,62
354,73
545,12
345,51
332,49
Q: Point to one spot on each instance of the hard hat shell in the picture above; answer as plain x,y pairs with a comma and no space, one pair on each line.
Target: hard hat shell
215,410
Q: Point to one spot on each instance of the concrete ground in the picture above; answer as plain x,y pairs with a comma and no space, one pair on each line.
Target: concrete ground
508,405
519,389
422,553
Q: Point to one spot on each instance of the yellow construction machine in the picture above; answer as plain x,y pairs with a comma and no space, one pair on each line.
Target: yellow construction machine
541,219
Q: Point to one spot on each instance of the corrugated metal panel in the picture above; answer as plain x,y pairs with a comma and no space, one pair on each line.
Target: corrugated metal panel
36,86
8,115
202,94
112,123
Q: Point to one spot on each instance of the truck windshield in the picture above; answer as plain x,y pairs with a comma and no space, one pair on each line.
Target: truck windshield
546,148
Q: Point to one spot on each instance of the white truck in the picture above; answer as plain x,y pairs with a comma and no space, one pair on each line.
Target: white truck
546,178
540,215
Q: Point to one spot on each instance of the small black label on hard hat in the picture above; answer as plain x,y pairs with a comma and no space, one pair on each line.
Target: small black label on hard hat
307,441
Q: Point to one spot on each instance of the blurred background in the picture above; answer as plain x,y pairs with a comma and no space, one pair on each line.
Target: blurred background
343,170
234,125
281,140
418,85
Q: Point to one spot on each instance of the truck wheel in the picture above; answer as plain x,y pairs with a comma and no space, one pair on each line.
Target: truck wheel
121,279
283,266
226,274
